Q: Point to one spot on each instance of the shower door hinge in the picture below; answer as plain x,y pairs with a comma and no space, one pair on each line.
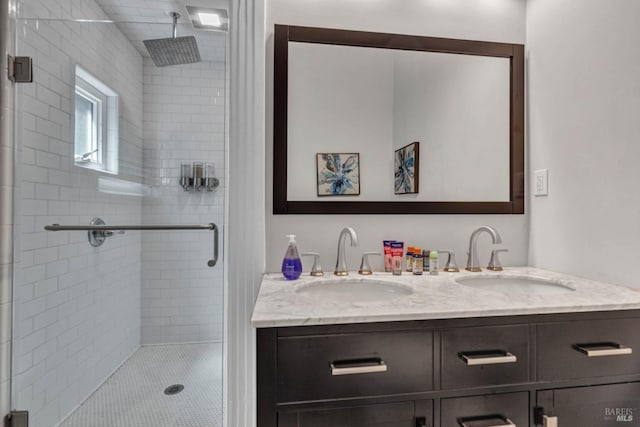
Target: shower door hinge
19,419
20,69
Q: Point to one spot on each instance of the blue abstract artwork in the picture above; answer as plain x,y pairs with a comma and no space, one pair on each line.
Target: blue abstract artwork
338,174
406,169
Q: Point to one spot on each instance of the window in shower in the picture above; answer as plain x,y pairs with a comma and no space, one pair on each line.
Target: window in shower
96,124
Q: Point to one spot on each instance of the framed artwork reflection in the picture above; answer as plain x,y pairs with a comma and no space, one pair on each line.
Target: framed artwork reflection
338,174
407,161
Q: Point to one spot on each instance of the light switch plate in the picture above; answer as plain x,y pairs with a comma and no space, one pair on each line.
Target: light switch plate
540,183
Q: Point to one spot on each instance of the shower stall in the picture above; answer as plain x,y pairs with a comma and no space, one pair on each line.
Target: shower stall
120,208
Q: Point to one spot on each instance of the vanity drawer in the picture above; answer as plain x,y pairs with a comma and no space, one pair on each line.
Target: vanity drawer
473,357
508,409
353,365
588,349
397,414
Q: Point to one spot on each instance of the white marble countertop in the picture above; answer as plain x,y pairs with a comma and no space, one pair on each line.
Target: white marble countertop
281,302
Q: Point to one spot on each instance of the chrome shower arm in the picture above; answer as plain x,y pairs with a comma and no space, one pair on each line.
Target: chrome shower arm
175,16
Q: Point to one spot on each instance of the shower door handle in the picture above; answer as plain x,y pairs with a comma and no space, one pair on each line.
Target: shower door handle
212,262
100,229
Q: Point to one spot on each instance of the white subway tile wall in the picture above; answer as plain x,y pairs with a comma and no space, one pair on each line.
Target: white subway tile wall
77,307
184,121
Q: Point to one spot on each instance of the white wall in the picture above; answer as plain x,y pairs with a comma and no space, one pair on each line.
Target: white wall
77,307
490,20
184,116
584,104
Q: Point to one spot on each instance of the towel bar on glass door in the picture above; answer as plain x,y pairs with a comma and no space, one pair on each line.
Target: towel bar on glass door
102,228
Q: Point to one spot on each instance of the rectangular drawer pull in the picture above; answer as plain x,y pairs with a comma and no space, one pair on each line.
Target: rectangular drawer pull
603,349
486,421
491,357
358,366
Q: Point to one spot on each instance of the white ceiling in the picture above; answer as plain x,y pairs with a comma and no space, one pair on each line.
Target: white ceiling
149,19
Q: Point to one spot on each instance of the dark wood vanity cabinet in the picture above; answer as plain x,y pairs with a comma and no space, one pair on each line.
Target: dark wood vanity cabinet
578,369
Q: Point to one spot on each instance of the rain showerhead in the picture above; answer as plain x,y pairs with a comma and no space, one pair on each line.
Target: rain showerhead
174,50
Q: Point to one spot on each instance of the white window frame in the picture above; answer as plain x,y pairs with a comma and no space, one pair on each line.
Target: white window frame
104,133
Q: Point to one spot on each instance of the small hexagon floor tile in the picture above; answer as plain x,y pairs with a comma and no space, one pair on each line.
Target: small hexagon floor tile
134,395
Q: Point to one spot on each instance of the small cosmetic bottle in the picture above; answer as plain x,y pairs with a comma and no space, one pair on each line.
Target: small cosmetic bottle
434,261
418,262
397,248
387,254
409,258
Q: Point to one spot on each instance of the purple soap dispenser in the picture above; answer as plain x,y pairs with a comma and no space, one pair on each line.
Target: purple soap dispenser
291,264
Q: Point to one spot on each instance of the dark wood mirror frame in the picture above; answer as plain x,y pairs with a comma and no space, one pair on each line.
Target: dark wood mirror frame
285,33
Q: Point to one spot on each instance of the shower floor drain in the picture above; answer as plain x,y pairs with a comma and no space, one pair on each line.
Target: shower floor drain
173,389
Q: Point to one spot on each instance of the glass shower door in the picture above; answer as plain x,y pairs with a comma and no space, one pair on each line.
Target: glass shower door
124,326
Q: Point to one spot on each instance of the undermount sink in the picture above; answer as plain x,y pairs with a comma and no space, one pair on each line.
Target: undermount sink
520,285
355,290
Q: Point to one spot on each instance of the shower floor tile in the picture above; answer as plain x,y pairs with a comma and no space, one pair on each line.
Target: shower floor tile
134,395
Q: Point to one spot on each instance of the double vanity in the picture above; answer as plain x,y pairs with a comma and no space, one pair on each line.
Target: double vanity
519,347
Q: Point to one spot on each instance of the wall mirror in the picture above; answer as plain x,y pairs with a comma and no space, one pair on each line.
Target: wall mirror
367,95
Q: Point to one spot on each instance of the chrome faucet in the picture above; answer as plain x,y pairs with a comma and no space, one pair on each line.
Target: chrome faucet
341,263
473,264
